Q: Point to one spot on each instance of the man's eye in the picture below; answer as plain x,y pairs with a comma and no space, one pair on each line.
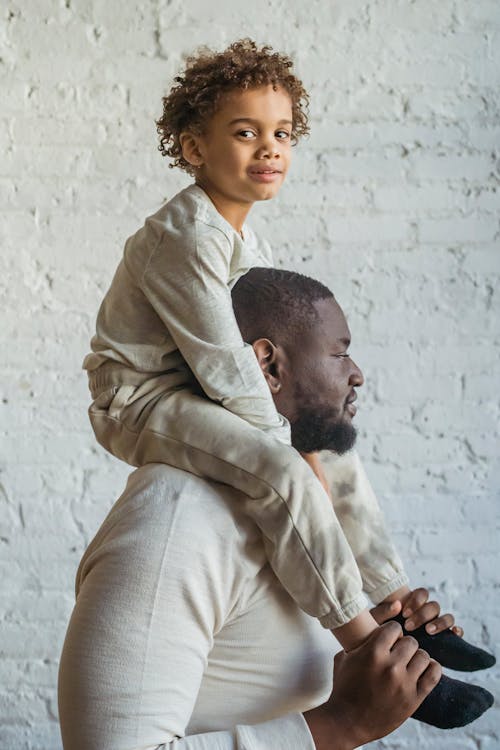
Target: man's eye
344,355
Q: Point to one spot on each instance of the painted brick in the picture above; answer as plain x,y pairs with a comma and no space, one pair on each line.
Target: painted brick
392,201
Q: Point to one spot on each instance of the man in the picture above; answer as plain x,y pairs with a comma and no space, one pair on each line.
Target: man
181,629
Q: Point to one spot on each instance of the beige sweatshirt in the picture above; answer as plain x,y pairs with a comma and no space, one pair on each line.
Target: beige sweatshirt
171,294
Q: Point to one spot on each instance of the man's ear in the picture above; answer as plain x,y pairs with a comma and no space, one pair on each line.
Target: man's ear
268,358
190,145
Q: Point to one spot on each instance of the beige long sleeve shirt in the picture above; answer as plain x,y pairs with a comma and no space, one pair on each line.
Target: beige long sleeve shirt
182,634
169,305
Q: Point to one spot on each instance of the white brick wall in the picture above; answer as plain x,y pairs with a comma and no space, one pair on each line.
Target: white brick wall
393,200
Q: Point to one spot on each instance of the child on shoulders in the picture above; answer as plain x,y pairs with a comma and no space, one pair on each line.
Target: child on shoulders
171,378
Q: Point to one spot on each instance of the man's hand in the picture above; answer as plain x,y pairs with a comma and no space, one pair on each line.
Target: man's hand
417,610
437,634
376,687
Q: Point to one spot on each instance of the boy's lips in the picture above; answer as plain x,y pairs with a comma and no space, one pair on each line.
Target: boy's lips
264,174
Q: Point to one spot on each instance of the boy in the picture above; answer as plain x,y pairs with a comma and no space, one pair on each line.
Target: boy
167,338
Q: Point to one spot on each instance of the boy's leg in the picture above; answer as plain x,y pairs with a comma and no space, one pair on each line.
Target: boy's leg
362,522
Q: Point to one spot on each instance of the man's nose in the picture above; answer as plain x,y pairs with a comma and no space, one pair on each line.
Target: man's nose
356,378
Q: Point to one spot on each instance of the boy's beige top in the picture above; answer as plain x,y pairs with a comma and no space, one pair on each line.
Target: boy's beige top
171,293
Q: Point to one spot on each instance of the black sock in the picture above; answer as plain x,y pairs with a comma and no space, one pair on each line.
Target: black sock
450,650
453,704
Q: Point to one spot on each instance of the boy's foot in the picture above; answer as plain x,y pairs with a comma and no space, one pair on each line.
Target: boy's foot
453,704
450,650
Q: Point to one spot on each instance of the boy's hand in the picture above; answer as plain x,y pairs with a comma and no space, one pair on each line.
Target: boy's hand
417,610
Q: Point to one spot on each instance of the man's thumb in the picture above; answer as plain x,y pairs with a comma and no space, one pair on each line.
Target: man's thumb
386,611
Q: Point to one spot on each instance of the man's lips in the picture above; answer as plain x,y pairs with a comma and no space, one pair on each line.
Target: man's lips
349,407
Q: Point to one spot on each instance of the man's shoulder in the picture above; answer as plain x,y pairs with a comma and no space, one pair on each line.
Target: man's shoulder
204,518
163,486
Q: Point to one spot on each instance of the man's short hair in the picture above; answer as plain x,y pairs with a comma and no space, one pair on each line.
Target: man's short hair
276,304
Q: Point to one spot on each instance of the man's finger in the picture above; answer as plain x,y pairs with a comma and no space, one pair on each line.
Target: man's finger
417,599
404,649
418,664
445,622
429,679
385,636
427,612
385,611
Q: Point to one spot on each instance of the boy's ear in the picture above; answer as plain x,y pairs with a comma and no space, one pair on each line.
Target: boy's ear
268,359
191,148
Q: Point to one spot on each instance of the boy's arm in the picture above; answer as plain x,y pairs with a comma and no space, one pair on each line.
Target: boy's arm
186,280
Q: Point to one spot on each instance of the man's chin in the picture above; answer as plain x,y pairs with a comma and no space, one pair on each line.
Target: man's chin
312,432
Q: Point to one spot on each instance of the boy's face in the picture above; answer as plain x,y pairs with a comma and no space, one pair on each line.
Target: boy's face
245,152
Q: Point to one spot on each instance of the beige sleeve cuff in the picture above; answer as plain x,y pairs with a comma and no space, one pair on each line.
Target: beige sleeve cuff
285,733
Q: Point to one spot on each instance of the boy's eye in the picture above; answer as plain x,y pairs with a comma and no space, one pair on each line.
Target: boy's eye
246,133
282,135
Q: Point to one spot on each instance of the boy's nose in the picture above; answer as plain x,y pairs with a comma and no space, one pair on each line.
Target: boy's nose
268,151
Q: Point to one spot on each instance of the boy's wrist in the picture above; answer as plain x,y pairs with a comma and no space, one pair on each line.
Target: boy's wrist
400,595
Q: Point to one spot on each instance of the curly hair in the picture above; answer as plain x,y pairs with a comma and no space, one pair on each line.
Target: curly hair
209,75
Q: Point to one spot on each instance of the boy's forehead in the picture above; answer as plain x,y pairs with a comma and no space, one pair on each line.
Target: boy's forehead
265,100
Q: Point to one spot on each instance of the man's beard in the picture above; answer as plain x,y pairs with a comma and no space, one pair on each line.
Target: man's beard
322,430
